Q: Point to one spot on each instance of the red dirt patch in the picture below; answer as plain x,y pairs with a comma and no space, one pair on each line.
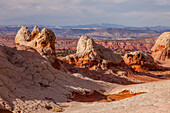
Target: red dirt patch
121,95
98,97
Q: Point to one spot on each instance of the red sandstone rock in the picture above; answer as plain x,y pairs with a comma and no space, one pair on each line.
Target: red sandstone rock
141,61
135,45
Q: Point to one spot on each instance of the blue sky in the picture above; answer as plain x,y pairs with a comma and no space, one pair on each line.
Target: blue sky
74,12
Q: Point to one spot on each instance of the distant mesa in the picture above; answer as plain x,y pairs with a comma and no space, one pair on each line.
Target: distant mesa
141,61
94,26
161,49
43,41
58,27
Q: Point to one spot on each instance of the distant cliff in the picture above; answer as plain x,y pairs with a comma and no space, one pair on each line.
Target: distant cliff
95,33
119,46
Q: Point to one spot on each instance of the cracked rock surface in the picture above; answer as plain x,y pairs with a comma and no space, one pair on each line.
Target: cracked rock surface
29,83
155,100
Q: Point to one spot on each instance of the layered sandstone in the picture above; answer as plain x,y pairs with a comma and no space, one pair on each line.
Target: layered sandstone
28,82
122,46
96,57
140,61
118,46
161,49
43,41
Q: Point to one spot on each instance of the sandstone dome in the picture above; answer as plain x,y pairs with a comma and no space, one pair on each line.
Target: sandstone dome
87,47
161,49
94,56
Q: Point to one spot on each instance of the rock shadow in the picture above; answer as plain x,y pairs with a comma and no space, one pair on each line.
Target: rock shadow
95,75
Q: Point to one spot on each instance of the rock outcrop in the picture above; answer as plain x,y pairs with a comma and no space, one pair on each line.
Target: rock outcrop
161,49
95,57
43,41
29,83
90,52
140,61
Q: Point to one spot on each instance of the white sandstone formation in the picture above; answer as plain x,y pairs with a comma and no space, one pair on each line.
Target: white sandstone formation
161,49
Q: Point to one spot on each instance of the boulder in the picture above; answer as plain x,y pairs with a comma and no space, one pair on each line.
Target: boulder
161,49
140,61
43,41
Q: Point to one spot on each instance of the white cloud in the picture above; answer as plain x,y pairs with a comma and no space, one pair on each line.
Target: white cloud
144,18
72,11
30,7
147,14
